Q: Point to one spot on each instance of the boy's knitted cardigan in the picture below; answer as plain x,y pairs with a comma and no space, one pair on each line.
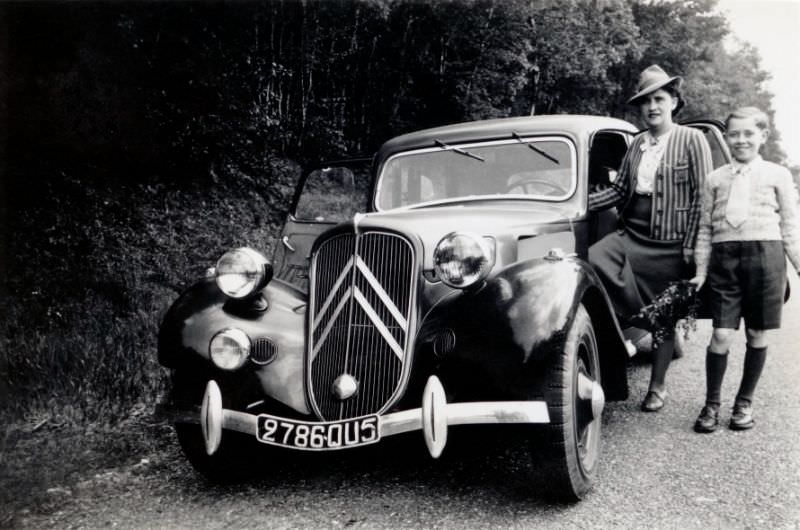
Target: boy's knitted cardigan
772,213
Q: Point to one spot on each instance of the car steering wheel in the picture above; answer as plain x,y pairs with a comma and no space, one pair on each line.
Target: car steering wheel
532,186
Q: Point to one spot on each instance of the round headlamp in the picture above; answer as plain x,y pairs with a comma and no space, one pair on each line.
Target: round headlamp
242,272
229,348
462,259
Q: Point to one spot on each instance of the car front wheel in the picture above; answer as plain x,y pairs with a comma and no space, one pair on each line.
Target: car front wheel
566,451
233,462
236,458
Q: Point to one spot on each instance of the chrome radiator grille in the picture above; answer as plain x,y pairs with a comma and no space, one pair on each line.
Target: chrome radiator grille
361,300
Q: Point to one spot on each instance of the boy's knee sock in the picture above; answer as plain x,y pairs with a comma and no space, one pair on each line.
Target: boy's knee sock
716,363
753,364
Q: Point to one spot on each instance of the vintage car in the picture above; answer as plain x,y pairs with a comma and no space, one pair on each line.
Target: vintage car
442,282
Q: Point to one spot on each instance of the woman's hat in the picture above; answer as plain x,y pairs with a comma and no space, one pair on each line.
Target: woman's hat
651,79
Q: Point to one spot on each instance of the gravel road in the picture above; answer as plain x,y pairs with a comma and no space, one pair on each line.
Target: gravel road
656,472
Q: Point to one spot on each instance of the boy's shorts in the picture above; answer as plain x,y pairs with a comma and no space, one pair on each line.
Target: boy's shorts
747,279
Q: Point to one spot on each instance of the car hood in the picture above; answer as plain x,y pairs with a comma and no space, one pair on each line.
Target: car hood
507,223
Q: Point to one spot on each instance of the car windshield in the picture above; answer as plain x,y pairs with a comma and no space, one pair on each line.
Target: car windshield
525,168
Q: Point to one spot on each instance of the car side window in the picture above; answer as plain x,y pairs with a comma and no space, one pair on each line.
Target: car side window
605,158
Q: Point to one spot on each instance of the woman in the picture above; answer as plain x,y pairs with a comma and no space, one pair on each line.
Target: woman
657,191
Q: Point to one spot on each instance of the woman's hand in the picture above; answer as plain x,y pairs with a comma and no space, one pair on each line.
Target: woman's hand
688,256
698,281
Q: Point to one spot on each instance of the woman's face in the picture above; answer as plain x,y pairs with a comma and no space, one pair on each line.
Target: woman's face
656,109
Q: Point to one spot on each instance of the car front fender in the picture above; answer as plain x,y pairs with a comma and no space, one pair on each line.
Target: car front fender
520,317
202,311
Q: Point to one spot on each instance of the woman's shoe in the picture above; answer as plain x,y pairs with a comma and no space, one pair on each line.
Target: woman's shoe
708,420
653,401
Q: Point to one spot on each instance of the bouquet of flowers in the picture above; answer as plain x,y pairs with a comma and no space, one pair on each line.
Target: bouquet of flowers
678,302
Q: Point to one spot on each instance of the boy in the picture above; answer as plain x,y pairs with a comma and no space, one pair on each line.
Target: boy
748,222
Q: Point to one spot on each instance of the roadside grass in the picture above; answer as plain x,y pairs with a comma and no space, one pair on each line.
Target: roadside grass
90,271
43,463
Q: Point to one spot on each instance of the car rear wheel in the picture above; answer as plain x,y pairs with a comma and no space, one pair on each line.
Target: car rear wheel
566,451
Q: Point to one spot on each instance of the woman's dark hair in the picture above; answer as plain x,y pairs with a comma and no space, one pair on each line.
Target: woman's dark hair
673,90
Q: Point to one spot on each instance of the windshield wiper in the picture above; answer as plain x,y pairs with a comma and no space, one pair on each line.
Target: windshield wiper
538,150
458,150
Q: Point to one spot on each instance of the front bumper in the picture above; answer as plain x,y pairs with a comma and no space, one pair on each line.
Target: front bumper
432,418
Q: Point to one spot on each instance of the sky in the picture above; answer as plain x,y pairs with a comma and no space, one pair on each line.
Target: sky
773,26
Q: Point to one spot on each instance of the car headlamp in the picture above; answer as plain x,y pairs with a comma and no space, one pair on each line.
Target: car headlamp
462,259
241,272
229,349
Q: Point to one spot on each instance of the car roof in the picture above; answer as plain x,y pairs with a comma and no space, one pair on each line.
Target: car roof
575,125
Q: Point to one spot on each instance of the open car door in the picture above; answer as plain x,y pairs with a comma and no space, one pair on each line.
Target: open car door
330,194
713,131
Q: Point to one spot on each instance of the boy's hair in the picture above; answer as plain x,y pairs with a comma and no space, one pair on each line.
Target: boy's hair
759,116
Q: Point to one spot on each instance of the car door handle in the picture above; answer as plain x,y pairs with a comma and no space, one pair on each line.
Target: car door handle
286,243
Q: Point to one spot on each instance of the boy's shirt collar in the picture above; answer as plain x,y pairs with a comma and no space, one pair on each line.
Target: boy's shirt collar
737,166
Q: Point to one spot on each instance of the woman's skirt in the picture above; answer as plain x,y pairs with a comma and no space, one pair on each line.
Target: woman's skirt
635,268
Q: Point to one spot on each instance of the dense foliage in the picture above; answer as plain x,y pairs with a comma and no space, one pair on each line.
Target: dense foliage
144,138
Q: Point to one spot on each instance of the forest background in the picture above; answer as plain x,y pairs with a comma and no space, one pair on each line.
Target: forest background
140,140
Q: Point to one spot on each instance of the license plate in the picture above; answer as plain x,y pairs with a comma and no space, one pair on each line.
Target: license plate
317,436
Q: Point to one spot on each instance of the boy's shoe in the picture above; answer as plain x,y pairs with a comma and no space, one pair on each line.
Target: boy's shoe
742,417
653,401
708,420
